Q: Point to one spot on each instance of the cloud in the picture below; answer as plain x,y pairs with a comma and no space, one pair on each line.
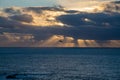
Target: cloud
22,18
58,27
82,5
16,40
57,41
92,25
113,6
7,23
13,37
91,5
25,40
35,16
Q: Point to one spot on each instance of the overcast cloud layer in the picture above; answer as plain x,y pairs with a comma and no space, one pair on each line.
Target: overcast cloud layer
59,27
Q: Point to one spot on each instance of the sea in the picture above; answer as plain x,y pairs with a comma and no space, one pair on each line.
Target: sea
59,63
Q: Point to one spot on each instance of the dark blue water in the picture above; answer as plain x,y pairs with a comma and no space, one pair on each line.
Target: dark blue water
59,64
65,51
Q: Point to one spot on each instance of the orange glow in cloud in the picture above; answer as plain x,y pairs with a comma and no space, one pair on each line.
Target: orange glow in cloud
43,18
46,18
16,39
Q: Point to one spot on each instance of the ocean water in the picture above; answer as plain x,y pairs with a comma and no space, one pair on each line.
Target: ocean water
59,64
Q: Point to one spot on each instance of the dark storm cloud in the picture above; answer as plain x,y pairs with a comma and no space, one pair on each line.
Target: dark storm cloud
23,18
94,19
5,22
103,26
12,10
79,25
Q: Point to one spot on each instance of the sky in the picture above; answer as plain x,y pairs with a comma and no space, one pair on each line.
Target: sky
67,3
24,3
81,23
